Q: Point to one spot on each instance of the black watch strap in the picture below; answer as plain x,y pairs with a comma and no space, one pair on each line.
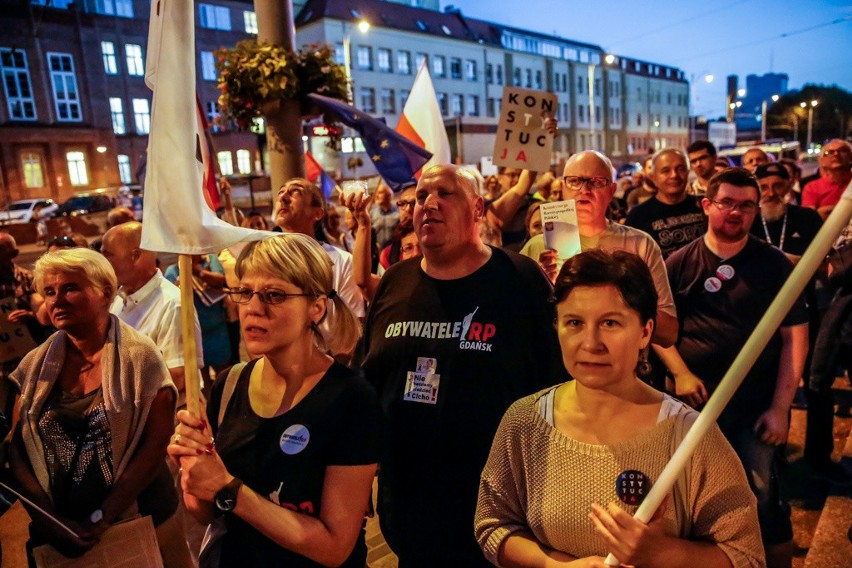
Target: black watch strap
226,498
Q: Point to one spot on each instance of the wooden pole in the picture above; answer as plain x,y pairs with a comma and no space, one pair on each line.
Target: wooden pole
190,350
775,314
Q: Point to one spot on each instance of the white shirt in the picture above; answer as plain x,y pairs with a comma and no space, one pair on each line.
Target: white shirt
344,282
154,310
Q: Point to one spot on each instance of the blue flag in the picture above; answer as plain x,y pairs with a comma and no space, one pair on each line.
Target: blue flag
395,157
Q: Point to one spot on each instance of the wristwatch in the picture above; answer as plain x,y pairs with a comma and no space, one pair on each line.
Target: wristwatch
226,498
96,517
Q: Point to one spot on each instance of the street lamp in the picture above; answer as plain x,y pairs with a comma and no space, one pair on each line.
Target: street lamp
363,27
810,119
763,117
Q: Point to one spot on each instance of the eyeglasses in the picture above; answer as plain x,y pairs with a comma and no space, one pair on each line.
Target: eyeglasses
403,203
576,183
745,207
269,296
833,152
409,248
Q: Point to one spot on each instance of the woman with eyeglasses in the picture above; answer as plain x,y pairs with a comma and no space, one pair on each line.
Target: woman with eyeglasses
283,462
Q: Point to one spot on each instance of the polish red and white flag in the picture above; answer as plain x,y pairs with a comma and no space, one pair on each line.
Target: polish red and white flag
421,120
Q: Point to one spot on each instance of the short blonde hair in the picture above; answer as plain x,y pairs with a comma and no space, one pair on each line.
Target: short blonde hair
301,261
94,267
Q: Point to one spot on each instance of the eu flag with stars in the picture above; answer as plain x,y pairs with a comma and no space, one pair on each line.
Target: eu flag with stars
396,158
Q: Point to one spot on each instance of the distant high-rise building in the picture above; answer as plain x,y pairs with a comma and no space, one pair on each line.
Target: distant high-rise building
758,89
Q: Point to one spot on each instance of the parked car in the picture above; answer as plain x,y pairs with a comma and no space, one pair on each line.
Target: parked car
87,202
22,211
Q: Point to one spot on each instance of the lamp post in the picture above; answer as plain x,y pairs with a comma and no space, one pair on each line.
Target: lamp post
810,108
763,117
363,27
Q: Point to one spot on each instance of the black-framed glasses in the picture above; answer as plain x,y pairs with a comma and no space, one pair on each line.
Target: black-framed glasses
271,296
576,183
745,207
403,203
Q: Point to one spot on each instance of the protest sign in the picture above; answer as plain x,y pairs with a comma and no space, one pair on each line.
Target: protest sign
522,140
561,232
15,338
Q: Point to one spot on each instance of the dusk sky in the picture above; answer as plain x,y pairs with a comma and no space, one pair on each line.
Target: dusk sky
722,38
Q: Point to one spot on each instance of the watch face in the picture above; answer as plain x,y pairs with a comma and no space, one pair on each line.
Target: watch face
96,516
226,502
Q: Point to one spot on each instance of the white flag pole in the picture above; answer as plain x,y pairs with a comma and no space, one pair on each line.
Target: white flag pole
777,311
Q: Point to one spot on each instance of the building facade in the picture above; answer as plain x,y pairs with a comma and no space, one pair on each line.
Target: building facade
618,105
75,110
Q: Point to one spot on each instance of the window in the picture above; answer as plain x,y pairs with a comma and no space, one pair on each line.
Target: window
110,62
438,66
117,115
668,96
226,163
250,21
122,8
490,108
499,74
597,114
365,57
581,115
470,70
214,17
212,113
77,168
16,82
368,99
244,161
403,98
339,54
388,101
124,169
421,57
32,168
135,65
473,105
458,105
455,68
639,119
597,87
141,116
538,80
383,59
528,75
64,83
489,73
208,66
443,104
579,85
669,120
403,62
517,77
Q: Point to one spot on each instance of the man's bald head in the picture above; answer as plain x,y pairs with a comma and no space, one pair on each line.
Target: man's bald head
133,265
587,157
464,178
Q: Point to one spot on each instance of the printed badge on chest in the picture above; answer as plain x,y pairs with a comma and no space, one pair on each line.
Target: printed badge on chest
294,439
422,384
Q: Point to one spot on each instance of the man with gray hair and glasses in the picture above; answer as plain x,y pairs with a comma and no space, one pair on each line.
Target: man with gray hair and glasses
589,180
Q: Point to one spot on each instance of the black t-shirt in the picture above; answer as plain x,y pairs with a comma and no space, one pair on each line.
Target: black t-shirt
448,357
715,325
803,223
671,226
284,458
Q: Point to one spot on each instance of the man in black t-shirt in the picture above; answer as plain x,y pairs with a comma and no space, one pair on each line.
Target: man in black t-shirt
451,340
723,284
671,217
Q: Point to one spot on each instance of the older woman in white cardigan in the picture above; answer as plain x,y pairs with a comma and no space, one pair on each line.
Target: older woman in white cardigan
97,409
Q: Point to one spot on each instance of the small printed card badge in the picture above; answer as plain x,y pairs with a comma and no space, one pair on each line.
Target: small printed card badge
422,384
632,486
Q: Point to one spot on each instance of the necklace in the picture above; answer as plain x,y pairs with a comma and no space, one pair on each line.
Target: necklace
783,230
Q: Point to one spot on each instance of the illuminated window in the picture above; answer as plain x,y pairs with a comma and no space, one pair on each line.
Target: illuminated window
141,116
32,168
135,64
214,17
250,21
110,62
77,168
226,163
208,66
124,169
244,161
115,109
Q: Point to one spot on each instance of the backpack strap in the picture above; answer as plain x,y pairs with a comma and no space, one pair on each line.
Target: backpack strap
228,390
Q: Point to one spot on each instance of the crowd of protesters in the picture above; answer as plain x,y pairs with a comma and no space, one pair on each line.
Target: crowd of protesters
516,406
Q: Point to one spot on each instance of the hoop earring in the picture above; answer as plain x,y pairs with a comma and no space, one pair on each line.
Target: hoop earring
644,367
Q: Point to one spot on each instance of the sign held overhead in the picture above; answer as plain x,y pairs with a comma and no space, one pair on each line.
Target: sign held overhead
523,140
